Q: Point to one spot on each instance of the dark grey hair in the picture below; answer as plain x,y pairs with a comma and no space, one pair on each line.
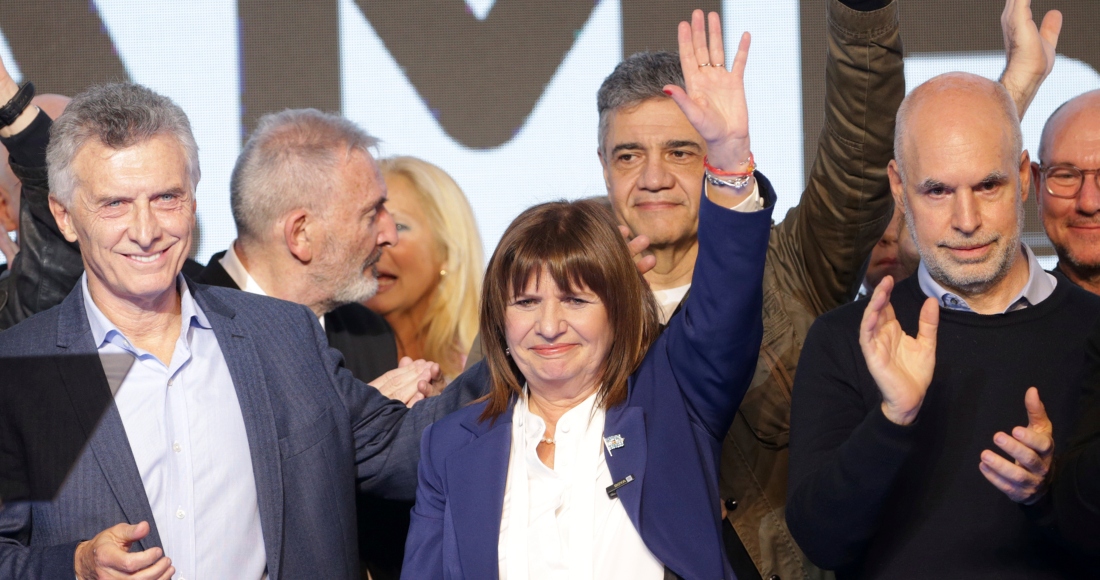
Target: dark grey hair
640,77
118,115
290,162
956,81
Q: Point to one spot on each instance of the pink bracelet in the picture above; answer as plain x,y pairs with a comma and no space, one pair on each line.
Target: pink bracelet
718,172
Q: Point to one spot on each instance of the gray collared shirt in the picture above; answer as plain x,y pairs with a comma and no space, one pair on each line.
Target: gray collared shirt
1040,285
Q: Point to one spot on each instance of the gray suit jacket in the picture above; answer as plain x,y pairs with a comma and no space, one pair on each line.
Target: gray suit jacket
313,431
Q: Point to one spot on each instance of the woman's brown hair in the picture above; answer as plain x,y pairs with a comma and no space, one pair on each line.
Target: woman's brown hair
579,246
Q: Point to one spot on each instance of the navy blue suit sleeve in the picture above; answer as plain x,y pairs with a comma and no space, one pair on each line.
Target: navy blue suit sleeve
714,341
386,433
18,562
424,545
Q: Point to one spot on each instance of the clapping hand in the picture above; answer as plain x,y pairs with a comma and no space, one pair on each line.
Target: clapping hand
1029,50
714,102
1024,481
411,382
901,365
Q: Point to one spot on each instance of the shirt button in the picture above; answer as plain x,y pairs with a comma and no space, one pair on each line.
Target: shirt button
170,381
731,504
564,428
176,447
180,514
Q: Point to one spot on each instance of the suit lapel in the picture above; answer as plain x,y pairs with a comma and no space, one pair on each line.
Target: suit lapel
243,361
86,384
476,477
630,459
214,274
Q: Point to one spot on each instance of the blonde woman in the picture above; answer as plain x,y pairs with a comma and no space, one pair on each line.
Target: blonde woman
429,283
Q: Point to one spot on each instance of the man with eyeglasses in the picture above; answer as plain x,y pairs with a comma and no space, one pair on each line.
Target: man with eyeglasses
1067,178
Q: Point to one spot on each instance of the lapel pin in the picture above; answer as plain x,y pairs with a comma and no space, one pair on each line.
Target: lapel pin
613,489
613,442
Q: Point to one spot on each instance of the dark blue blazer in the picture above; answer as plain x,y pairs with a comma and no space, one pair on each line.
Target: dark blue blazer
680,404
313,432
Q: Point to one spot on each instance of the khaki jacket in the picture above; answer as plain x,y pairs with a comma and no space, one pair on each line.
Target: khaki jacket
814,264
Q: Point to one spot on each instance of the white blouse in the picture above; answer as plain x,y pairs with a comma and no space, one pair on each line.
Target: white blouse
559,524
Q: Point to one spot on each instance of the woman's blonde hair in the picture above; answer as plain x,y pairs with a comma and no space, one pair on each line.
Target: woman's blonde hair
450,323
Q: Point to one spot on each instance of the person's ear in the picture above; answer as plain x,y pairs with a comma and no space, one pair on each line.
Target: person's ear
63,218
1025,175
296,234
1037,180
605,164
897,188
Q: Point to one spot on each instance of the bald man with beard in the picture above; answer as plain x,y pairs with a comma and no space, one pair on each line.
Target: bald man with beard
919,439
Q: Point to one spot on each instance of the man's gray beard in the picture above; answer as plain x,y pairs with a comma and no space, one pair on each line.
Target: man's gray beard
973,284
357,289
351,284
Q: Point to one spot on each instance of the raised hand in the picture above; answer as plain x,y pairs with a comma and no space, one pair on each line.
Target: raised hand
901,365
1024,481
714,102
1029,50
410,382
108,555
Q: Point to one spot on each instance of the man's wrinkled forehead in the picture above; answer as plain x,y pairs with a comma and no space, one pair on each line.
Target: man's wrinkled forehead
656,121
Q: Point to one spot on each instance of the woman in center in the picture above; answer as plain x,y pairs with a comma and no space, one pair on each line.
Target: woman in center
595,453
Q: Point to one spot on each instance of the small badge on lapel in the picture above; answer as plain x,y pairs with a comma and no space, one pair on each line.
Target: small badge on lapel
613,442
613,489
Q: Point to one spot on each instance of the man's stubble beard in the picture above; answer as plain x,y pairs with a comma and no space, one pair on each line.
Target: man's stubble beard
974,283
350,284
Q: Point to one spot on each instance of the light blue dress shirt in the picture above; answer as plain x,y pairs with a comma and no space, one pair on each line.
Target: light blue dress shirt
187,435
1040,285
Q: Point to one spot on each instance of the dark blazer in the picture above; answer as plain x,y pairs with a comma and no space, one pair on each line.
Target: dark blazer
363,337
313,430
679,405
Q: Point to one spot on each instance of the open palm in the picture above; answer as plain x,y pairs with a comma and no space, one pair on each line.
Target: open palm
901,365
714,100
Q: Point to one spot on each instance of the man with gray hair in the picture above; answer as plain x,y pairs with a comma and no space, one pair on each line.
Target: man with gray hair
151,427
299,197
297,194
899,401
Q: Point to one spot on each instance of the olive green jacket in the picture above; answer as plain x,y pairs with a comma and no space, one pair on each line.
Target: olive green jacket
814,264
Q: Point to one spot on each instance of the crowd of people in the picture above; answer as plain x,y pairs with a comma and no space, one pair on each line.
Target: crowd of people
660,383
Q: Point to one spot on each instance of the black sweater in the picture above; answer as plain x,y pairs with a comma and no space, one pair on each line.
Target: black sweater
872,499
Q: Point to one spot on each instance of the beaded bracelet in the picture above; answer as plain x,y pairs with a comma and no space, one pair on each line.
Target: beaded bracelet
715,171
737,180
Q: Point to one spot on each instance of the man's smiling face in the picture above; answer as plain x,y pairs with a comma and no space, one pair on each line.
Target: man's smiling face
133,212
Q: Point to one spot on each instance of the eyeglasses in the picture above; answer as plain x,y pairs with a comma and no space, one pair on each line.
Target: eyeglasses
1065,180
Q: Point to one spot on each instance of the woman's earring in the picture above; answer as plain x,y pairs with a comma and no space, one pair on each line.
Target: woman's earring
507,352
442,273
